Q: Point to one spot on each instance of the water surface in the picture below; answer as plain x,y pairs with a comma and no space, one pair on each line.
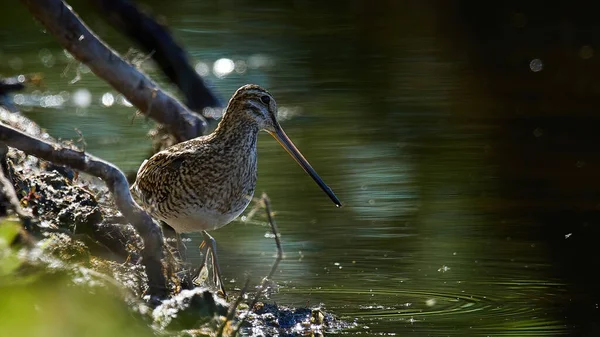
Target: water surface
468,180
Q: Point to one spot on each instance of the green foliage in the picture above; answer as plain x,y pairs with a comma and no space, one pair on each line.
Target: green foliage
52,306
8,232
42,300
9,262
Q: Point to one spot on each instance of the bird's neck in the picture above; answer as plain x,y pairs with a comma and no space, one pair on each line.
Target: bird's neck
237,133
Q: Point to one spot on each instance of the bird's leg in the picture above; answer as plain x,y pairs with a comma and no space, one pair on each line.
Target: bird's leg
209,250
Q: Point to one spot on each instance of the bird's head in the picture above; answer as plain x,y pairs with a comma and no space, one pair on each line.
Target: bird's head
255,106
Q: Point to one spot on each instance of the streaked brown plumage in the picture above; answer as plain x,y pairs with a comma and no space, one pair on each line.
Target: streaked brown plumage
205,183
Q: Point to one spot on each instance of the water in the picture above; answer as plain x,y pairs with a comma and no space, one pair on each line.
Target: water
468,177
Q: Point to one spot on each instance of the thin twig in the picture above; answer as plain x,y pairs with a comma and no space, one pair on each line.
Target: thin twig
139,61
233,307
116,182
267,204
81,139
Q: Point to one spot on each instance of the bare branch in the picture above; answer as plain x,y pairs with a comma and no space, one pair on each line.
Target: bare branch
155,38
116,182
74,35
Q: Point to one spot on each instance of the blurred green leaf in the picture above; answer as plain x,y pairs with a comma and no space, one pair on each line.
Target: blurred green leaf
42,301
9,262
9,230
53,306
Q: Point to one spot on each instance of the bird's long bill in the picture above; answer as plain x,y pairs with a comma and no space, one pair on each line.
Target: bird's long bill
287,144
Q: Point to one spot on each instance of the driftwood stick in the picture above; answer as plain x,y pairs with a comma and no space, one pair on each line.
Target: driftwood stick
116,182
155,39
62,23
233,308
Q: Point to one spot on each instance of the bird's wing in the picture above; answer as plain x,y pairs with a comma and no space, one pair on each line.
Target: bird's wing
141,167
163,163
157,173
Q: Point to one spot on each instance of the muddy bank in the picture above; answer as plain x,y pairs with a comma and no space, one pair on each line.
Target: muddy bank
77,236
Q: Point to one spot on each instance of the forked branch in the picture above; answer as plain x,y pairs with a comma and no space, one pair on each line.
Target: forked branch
118,186
141,91
155,39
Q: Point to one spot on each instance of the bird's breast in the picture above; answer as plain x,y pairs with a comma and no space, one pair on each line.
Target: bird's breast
215,200
200,184
199,219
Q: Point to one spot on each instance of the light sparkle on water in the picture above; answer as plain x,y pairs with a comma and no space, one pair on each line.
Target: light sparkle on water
223,67
536,65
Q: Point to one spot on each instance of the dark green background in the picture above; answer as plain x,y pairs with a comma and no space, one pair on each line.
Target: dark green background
470,181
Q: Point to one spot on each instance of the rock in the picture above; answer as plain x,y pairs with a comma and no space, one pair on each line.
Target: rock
275,320
188,310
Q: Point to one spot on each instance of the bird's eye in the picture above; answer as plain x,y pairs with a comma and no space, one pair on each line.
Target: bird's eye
265,99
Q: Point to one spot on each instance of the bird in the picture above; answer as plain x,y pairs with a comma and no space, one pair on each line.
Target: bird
204,183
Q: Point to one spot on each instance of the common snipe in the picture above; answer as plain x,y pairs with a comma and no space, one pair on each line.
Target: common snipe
204,183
